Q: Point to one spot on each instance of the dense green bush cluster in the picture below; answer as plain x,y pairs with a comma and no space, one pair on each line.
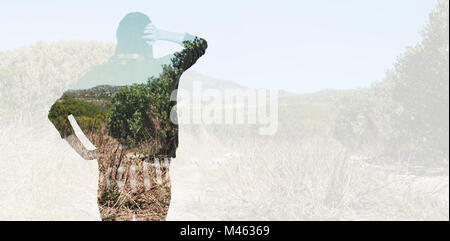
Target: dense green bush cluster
129,122
143,111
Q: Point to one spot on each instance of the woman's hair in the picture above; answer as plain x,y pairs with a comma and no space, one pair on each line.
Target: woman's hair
129,35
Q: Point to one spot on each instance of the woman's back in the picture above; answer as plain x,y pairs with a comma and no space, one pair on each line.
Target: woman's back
120,114
123,70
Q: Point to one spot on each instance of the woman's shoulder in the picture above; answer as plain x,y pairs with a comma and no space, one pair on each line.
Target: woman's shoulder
121,73
165,60
90,79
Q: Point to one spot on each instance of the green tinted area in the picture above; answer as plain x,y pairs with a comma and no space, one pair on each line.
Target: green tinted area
90,108
136,115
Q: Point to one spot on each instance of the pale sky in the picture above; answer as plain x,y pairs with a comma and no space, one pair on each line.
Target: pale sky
299,46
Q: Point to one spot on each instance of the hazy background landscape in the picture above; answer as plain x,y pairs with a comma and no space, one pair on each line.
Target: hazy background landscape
373,153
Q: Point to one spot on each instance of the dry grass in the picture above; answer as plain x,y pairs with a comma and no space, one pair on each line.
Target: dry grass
310,179
132,186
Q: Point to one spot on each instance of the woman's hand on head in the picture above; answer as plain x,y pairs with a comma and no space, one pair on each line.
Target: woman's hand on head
150,34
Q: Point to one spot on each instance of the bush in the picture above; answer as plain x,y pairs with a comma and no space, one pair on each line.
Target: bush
407,114
142,112
88,115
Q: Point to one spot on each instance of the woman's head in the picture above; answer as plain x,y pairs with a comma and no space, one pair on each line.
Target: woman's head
129,35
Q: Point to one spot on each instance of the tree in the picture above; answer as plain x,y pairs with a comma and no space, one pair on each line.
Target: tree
406,115
421,86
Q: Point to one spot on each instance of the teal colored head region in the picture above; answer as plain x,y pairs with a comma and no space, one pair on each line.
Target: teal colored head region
132,62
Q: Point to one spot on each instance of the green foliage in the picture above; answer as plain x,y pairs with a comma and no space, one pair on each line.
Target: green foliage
161,104
421,86
407,114
58,116
129,121
142,112
88,115
354,125
135,114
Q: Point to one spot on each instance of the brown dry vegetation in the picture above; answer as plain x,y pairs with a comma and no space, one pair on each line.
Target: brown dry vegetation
132,186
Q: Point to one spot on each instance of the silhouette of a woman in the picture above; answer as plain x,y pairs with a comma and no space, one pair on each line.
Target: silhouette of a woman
132,64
